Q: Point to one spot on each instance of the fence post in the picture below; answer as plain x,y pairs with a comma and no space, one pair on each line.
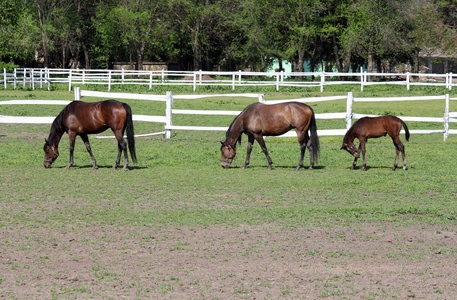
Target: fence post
47,77
163,76
77,93
407,81
69,81
261,100
4,78
322,82
15,78
361,79
233,81
239,77
123,75
446,119
277,81
195,81
450,81
24,78
349,110
168,122
32,75
109,80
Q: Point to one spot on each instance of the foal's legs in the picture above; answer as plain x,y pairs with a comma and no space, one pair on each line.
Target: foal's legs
399,147
248,155
259,139
85,139
364,151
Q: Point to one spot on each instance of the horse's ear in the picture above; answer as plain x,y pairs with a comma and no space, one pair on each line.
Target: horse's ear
222,142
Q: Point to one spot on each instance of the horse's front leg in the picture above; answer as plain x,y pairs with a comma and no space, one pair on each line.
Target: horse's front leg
259,139
71,137
85,139
354,163
249,150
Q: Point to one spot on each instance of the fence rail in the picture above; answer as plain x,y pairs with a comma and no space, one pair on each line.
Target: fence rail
47,76
166,119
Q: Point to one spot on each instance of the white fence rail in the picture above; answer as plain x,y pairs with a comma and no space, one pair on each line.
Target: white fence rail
448,117
45,77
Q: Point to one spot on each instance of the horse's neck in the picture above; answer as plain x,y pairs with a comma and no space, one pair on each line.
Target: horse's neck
55,136
349,136
236,129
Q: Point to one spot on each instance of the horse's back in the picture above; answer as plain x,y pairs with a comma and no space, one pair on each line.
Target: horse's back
276,119
373,127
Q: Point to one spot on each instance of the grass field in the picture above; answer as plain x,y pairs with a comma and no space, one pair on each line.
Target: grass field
179,226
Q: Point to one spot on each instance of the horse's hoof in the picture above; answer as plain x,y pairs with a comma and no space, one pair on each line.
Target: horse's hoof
95,167
125,169
310,168
269,168
114,167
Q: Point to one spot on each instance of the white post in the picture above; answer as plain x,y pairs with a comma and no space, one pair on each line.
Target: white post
150,79
450,81
239,77
15,78
4,78
446,119
349,110
32,75
168,113
261,100
69,81
47,77
277,82
195,81
233,81
322,81
163,76
41,78
407,81
77,93
24,78
200,77
109,80
361,79
123,75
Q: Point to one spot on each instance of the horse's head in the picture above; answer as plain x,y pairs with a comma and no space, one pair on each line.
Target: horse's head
351,148
50,154
228,153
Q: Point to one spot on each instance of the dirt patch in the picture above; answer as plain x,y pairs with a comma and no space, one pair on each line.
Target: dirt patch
248,262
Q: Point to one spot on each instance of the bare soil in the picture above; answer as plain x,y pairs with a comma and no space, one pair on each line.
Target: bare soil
368,261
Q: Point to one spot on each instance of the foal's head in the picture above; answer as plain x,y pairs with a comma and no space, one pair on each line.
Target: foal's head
50,154
351,148
228,153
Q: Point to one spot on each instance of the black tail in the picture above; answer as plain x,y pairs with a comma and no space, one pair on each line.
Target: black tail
130,133
406,129
314,138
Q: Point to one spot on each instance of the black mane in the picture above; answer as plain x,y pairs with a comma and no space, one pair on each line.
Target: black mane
229,130
57,126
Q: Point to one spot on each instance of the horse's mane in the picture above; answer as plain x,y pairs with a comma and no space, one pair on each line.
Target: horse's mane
229,130
57,126
349,135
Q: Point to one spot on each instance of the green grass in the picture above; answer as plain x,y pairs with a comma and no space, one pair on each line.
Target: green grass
180,182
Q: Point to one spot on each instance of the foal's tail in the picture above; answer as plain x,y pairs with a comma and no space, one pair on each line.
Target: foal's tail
314,137
130,134
406,129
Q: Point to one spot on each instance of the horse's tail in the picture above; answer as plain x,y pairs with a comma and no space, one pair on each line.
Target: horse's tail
314,137
130,133
406,129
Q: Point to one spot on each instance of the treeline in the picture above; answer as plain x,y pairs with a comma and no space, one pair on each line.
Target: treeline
229,34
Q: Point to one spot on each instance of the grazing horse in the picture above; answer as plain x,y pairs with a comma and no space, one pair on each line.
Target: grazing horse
259,120
369,127
81,118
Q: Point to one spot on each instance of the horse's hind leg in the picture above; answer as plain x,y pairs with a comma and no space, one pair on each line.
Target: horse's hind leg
305,142
122,147
85,139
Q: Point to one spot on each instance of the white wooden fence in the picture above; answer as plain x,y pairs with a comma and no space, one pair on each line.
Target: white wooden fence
45,77
166,119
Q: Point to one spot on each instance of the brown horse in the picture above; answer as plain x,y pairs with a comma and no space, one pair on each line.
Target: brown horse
369,127
259,120
80,118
